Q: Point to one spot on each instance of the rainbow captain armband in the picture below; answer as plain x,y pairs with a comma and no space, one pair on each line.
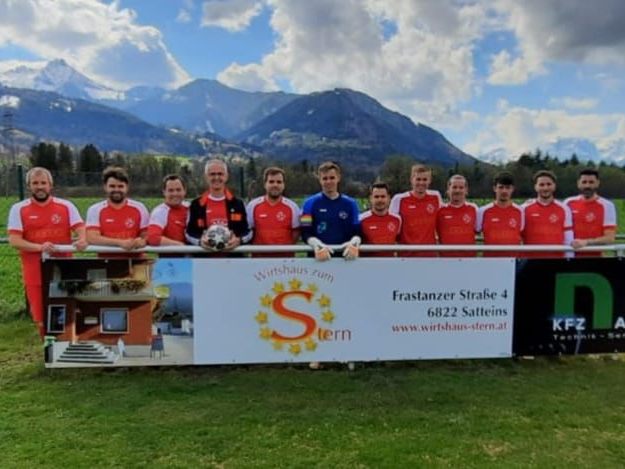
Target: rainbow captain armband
306,220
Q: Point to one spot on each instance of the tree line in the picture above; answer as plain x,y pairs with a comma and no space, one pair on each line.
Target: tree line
78,173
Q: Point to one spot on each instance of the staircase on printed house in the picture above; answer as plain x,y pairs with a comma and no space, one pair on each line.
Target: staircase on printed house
88,352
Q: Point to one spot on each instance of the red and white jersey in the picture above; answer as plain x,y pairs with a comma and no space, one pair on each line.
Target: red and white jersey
216,211
380,229
168,221
418,216
500,225
125,222
52,221
456,225
272,223
547,224
591,217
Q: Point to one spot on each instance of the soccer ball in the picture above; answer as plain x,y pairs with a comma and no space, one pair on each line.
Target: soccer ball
215,237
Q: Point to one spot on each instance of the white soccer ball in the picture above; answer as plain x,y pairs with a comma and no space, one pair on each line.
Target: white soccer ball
215,237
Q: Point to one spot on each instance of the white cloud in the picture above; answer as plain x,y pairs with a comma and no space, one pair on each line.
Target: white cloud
424,68
519,129
569,102
576,31
183,16
232,15
101,40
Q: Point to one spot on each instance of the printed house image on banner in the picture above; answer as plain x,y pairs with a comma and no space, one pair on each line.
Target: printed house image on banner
103,311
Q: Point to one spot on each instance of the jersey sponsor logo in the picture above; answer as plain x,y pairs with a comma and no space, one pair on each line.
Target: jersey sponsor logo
109,220
55,219
296,319
263,215
343,215
129,223
553,218
33,217
466,218
494,220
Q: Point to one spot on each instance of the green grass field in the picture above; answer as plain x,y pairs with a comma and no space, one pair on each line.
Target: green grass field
485,413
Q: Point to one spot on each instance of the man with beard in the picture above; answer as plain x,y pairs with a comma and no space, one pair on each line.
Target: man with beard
37,225
547,220
501,221
218,206
118,220
594,218
378,226
273,218
169,219
456,220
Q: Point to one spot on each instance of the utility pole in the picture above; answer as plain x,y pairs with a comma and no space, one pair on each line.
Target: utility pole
8,133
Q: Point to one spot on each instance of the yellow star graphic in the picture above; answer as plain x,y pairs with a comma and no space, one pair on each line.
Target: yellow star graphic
327,316
324,301
312,288
278,287
295,284
265,333
295,349
265,300
278,345
311,345
261,317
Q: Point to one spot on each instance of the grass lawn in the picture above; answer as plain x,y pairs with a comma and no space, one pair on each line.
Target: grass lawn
547,413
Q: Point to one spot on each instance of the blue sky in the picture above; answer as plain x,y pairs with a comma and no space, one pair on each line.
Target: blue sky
492,75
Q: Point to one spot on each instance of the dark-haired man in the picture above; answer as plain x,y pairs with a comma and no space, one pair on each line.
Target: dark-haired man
169,219
118,220
273,218
547,220
594,218
501,221
377,224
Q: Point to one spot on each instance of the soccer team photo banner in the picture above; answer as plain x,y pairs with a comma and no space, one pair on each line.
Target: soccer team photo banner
569,306
177,311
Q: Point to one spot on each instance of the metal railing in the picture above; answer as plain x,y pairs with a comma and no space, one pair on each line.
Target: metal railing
619,249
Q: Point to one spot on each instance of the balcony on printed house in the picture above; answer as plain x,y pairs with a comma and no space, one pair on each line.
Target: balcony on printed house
104,290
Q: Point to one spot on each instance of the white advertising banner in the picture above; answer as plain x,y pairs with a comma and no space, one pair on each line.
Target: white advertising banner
302,310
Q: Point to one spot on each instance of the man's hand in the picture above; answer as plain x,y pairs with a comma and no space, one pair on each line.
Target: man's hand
127,244
138,243
48,247
81,244
233,242
352,250
579,243
322,252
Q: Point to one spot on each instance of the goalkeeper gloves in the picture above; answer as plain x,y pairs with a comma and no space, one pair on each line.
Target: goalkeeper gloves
322,252
352,250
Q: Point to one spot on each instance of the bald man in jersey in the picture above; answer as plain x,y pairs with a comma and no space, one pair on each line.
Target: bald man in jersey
37,225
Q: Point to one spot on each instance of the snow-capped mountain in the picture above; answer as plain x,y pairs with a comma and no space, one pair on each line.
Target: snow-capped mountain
59,77
564,148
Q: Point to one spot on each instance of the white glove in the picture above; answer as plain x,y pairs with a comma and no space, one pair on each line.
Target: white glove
352,250
322,252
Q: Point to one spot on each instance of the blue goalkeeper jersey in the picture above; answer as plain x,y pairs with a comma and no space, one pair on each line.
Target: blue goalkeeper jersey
333,221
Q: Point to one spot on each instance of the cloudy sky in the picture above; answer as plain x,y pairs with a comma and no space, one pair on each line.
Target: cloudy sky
489,74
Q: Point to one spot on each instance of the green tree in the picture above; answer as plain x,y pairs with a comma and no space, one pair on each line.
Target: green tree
66,158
